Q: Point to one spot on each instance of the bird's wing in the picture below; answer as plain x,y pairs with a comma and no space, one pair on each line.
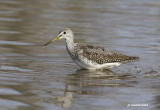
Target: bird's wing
101,56
89,46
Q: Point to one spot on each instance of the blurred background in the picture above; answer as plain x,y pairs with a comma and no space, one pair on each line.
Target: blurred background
36,78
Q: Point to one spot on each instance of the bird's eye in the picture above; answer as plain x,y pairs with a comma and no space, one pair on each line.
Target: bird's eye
64,32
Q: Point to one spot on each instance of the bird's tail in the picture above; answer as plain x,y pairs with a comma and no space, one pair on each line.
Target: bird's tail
132,59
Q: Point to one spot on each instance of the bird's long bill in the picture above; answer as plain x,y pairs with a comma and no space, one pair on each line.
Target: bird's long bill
56,38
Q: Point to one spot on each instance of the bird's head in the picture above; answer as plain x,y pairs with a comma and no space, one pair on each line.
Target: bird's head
65,34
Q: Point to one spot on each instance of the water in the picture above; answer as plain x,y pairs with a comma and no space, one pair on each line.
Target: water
37,78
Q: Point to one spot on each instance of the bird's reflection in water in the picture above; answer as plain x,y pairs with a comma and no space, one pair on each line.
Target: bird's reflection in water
89,83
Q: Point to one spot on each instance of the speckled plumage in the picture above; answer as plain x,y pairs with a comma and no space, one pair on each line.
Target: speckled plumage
90,56
98,54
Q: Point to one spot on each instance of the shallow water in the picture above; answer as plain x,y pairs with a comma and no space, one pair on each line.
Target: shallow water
37,78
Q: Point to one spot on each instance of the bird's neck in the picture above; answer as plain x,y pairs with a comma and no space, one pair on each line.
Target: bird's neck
70,44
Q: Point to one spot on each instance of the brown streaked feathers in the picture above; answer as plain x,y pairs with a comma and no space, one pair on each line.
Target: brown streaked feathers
100,55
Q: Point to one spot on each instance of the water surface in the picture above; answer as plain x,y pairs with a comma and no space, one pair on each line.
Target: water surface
37,78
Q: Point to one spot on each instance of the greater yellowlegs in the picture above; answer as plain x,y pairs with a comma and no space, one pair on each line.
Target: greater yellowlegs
90,56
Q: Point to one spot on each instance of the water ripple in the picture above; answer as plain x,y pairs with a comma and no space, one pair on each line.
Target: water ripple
15,68
8,91
15,43
9,32
10,19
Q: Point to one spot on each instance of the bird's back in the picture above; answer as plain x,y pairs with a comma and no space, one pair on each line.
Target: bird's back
99,55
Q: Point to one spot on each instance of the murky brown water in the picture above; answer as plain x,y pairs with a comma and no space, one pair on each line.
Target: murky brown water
37,78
